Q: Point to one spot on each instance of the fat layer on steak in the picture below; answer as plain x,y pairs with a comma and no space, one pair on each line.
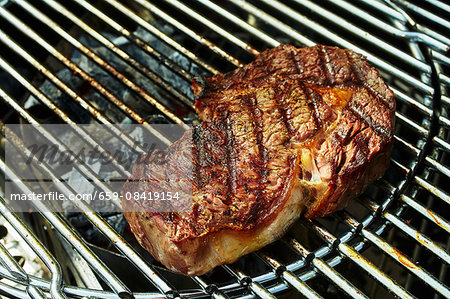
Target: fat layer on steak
299,131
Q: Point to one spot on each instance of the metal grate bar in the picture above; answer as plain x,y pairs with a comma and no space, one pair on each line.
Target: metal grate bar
11,264
331,274
274,22
136,40
336,38
361,261
432,216
43,253
244,25
232,38
289,277
75,291
87,172
258,34
22,112
440,4
371,38
105,65
47,102
188,32
398,256
102,226
421,182
385,27
418,236
72,237
430,16
9,290
213,290
200,39
148,27
15,47
10,43
120,53
432,189
254,284
383,8
428,159
246,280
399,116
35,293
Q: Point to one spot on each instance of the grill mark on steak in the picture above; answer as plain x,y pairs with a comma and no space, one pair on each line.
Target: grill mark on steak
313,98
230,159
361,115
256,115
359,80
295,62
280,98
324,63
197,152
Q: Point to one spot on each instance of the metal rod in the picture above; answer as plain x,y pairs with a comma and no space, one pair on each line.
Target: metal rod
120,53
136,40
89,53
431,215
382,25
12,45
104,227
23,113
430,16
381,63
399,257
362,262
192,13
246,280
335,277
130,14
36,245
289,277
72,237
265,17
244,25
11,264
186,30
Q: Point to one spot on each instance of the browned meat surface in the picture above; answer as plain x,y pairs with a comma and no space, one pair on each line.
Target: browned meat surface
297,131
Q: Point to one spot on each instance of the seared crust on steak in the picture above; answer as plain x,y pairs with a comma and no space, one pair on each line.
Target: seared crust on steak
296,131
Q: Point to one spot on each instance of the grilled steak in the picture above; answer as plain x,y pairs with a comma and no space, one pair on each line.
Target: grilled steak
297,131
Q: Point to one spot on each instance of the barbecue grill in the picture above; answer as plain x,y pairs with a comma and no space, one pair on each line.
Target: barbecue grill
132,61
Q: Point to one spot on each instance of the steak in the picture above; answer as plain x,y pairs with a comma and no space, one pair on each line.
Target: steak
299,131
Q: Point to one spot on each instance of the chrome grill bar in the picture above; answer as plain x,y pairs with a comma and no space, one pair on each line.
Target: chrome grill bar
288,12
104,41
398,256
52,264
365,264
326,270
189,32
159,34
423,12
384,26
89,54
317,258
74,239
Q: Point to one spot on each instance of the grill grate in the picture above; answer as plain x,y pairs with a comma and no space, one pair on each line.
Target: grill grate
396,235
